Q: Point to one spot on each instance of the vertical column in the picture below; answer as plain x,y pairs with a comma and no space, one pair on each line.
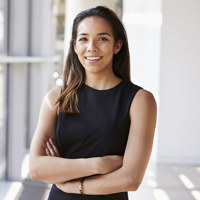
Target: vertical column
17,87
29,36
16,119
3,89
42,43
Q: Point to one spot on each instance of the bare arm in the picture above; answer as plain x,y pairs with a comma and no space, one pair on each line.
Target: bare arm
52,169
139,146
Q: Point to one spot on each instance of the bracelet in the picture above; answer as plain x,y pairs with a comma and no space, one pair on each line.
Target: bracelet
80,187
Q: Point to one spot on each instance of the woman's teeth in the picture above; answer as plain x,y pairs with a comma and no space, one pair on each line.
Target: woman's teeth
93,58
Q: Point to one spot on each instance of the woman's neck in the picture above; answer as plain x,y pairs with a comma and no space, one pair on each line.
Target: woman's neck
102,82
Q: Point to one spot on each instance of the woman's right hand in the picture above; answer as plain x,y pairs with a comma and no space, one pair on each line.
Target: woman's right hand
109,163
52,148
104,164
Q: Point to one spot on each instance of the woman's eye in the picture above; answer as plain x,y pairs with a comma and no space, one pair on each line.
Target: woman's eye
103,39
82,39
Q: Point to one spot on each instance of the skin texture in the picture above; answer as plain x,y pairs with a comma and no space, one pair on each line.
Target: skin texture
95,39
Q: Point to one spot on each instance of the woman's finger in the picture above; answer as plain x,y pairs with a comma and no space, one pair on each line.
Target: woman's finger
51,150
48,152
55,147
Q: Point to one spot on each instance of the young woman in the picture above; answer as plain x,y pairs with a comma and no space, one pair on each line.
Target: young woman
102,122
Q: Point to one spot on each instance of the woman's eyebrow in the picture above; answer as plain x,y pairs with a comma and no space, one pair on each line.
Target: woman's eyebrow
82,34
103,33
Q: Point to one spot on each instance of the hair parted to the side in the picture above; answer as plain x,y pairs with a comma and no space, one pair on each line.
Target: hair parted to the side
74,73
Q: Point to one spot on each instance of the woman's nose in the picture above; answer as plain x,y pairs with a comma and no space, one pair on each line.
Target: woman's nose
92,46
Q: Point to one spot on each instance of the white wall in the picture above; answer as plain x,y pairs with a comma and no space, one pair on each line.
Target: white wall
179,125
142,20
168,64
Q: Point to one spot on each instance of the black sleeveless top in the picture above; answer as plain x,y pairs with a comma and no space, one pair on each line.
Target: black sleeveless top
100,129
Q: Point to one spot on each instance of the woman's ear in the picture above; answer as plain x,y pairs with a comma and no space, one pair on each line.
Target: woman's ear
118,46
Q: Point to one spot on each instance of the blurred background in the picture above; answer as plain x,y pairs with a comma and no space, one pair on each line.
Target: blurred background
164,41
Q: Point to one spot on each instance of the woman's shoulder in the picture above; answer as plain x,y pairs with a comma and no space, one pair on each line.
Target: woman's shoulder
53,94
145,95
144,99
51,97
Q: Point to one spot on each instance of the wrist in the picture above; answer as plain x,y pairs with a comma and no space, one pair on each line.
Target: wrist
80,187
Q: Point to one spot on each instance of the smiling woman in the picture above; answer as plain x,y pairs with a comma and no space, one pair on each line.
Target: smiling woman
95,136
95,46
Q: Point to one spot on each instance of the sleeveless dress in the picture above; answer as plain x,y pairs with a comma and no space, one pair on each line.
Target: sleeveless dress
101,129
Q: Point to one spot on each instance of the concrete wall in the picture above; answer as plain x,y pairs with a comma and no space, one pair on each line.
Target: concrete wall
142,20
179,127
165,58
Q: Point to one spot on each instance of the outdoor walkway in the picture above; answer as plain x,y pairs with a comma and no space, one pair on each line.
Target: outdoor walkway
160,183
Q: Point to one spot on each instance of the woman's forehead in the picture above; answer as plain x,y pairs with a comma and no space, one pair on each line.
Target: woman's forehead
94,24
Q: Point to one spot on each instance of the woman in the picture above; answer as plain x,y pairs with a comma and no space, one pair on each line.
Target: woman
102,122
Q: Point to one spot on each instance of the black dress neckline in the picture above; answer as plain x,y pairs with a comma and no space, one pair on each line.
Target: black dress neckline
105,90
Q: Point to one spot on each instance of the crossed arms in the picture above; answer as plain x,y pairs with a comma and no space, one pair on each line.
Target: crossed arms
115,174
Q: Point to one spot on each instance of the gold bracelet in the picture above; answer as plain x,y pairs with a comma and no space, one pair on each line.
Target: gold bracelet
80,187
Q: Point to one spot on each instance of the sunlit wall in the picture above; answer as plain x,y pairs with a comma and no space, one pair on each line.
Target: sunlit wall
179,127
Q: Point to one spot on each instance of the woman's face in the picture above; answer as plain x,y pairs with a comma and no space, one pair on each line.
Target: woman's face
95,45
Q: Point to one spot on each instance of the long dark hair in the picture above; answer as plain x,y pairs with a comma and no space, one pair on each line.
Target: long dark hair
74,73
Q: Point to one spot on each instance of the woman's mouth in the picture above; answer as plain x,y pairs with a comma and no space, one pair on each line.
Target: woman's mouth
93,58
